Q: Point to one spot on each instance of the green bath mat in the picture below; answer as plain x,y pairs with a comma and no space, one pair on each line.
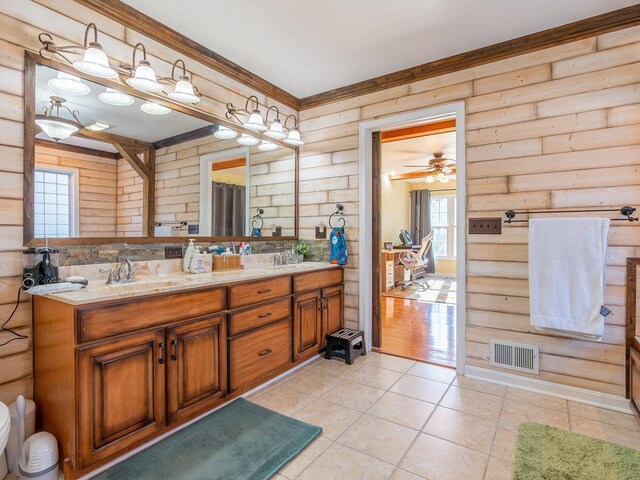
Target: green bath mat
240,441
547,453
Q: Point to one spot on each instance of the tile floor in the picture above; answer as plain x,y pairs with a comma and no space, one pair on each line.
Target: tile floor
387,417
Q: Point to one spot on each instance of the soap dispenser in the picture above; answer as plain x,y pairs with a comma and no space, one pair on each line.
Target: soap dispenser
188,255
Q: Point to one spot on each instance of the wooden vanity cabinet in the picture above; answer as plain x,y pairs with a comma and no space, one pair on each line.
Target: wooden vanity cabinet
307,332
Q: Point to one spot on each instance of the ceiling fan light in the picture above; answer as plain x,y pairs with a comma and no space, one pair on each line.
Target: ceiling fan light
116,98
183,91
95,62
255,122
429,179
266,146
69,84
225,133
447,170
154,108
144,78
294,138
248,140
276,130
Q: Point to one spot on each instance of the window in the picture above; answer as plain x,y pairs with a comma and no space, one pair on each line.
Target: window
443,223
54,215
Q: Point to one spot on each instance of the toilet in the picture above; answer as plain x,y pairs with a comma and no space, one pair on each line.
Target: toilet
5,425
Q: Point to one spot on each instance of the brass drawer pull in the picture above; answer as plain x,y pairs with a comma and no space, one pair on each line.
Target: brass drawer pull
266,290
265,315
265,352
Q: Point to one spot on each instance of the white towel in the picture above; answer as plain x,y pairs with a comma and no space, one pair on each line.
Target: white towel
567,258
163,231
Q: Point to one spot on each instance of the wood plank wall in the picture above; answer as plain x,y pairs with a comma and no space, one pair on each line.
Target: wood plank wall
20,23
557,128
129,197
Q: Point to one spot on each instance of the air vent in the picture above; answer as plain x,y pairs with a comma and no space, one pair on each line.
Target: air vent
515,356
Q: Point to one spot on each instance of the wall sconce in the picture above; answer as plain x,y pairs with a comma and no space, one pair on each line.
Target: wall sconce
184,91
144,78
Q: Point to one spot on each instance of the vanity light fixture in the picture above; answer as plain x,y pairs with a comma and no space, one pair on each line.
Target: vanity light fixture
225,133
116,98
248,140
68,84
276,130
154,108
184,91
56,126
144,78
254,120
266,146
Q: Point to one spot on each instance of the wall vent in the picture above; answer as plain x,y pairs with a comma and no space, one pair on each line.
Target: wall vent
515,356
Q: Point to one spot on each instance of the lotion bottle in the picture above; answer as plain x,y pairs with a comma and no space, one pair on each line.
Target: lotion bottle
188,255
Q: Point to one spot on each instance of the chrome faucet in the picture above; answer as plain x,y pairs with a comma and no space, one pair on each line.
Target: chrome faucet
124,273
282,258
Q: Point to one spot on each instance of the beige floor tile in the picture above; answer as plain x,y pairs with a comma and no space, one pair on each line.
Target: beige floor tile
337,367
390,362
376,377
432,372
604,431
353,395
283,399
473,402
339,463
304,459
378,438
514,413
618,419
504,444
407,411
420,388
480,386
400,474
436,459
538,399
277,476
499,470
334,419
313,382
462,428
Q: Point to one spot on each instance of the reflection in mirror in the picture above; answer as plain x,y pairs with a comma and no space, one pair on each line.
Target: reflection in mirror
638,301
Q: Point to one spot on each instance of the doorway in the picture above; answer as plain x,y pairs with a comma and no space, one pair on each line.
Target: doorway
420,315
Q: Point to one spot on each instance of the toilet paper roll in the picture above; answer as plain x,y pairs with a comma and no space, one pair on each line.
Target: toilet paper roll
13,449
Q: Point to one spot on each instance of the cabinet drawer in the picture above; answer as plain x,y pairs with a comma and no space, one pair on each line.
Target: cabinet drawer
314,280
257,316
247,294
115,318
254,355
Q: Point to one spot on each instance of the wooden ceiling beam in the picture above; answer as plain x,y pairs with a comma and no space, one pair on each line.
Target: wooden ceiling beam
132,159
76,149
227,164
434,128
102,136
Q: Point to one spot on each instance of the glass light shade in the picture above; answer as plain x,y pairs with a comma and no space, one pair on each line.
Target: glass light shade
429,179
69,84
445,179
248,140
255,122
183,92
116,98
276,130
57,128
144,78
95,62
267,146
225,133
154,108
440,176
447,170
294,138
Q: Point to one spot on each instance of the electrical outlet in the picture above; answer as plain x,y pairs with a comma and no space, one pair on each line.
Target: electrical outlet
173,252
485,226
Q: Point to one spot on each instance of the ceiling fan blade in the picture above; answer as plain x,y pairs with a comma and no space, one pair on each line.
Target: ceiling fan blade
427,167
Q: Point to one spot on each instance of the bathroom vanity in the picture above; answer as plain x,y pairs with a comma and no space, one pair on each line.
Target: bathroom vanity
116,366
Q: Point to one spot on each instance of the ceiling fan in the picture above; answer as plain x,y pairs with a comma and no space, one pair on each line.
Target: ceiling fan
437,169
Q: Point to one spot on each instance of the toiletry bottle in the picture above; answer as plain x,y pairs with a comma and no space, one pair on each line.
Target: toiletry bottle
188,254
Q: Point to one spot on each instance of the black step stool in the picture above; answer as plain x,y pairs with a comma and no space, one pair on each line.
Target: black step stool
347,344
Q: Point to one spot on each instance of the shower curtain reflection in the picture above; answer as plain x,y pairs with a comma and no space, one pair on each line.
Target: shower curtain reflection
228,203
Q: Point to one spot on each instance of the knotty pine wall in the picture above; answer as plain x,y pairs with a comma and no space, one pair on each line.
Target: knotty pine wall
20,23
557,128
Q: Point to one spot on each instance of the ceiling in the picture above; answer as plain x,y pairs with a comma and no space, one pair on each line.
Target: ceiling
416,151
307,47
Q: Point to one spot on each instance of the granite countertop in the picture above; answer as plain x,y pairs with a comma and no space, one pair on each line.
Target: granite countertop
148,284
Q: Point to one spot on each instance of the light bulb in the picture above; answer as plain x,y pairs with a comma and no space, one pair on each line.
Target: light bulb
116,98
154,108
69,84
95,62
225,133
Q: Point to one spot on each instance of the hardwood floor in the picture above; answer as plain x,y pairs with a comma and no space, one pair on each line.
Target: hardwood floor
419,330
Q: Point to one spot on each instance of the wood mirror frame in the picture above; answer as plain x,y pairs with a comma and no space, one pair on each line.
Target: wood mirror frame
633,266
147,171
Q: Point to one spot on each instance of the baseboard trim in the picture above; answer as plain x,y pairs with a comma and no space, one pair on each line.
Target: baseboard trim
582,395
124,456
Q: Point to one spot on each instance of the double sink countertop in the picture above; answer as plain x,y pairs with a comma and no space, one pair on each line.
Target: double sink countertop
148,284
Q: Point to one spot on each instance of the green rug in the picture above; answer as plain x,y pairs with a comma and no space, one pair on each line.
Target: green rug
547,453
240,441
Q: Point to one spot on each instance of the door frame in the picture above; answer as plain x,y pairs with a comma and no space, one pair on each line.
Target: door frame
365,223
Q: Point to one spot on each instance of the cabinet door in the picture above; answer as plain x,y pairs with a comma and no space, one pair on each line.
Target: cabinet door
121,394
196,366
332,311
634,381
307,334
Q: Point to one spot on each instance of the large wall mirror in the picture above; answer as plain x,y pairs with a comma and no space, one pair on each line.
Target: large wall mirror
127,165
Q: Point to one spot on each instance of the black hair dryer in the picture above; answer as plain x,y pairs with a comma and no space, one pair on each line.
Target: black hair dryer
39,266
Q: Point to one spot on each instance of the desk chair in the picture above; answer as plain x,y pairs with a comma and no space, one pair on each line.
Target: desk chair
417,262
